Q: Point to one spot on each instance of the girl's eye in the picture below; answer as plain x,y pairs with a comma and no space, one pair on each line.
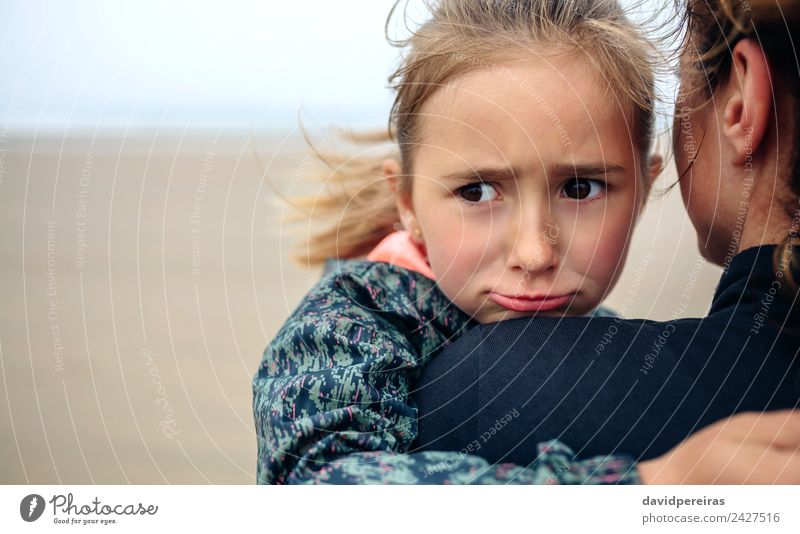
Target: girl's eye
583,188
478,192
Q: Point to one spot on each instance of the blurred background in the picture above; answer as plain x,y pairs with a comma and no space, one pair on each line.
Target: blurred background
144,148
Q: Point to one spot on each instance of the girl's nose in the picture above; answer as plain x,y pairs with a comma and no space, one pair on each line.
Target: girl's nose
534,244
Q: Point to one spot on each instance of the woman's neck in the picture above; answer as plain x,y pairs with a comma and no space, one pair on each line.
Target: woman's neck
773,208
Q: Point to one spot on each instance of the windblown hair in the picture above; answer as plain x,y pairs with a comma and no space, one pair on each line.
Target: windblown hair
459,37
713,29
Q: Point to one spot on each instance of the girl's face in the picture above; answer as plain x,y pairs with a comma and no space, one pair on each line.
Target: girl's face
526,188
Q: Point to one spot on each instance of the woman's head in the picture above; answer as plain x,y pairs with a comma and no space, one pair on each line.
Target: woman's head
737,116
524,130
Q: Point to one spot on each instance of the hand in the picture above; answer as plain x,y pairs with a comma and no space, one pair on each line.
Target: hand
748,448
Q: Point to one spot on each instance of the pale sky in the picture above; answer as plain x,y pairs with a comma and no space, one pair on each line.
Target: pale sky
246,64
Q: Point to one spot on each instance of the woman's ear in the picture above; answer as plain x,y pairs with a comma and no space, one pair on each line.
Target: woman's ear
748,107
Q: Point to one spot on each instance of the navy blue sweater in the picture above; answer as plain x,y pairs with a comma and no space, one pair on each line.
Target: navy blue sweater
605,385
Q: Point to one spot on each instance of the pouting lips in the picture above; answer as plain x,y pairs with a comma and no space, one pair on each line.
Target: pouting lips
522,304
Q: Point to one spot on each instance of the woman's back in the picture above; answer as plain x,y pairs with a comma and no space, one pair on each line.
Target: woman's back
640,391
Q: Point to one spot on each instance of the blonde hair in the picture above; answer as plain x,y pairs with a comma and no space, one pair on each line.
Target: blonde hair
713,29
463,36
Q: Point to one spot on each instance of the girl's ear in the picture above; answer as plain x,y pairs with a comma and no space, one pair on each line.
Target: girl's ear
749,104
655,165
391,168
654,168
405,210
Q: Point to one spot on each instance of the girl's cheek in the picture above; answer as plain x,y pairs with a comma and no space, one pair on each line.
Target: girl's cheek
454,257
456,264
443,252
578,232
612,245
595,241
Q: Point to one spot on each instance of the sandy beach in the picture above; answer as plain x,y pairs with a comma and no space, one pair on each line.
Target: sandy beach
143,275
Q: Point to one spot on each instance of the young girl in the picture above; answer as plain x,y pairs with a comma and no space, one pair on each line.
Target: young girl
524,131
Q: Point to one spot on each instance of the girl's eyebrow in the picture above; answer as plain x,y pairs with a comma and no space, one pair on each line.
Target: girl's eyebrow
497,174
586,169
487,174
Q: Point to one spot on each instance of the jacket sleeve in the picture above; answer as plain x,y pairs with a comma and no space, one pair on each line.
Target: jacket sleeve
331,405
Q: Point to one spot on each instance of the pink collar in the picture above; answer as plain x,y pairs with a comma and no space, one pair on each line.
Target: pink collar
398,248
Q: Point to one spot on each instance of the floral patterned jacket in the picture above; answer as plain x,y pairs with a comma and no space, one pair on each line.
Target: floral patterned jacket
331,397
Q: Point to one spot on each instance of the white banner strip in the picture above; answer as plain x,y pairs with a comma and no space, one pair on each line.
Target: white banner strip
405,509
